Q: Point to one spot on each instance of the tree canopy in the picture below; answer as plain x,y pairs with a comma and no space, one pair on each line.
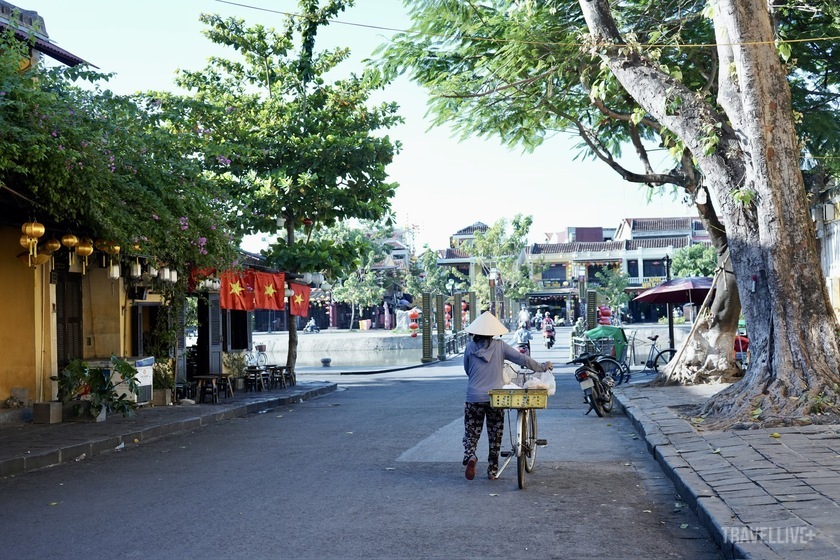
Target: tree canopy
294,151
91,162
731,89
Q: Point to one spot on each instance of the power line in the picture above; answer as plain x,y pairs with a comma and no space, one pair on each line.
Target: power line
541,43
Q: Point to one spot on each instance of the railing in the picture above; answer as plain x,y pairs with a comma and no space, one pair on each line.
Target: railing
455,343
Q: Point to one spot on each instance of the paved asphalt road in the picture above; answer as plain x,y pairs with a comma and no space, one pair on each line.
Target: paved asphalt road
370,471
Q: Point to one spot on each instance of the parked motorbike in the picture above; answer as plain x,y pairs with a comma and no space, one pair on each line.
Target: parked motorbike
597,386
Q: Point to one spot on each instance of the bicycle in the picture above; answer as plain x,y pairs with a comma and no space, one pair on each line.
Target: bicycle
657,358
617,367
523,440
257,357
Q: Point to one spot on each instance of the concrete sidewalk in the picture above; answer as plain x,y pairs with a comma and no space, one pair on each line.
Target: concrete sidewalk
25,446
760,496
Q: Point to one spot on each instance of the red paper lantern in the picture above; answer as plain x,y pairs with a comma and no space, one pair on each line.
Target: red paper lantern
448,308
413,314
464,305
414,334
413,326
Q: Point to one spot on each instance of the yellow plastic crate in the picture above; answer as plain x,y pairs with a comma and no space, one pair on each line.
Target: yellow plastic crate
519,398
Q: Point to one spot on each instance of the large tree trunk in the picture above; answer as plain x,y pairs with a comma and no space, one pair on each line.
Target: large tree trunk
707,354
793,340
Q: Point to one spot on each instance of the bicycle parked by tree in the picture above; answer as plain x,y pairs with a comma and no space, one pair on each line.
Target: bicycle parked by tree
257,356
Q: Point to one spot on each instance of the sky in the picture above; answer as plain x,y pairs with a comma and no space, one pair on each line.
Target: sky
445,184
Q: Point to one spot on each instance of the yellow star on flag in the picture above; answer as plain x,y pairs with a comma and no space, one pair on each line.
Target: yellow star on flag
269,290
298,298
236,288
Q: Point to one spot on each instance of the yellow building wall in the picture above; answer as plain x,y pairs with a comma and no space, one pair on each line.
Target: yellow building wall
28,332
27,346
103,315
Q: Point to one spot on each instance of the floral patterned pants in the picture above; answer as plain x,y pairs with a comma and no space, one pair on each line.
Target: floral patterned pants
474,418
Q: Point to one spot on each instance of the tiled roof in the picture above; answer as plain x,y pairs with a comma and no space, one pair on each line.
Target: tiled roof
628,245
660,224
470,230
45,46
548,248
657,243
452,254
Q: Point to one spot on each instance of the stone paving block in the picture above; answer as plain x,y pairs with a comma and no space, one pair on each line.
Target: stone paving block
755,550
690,486
738,492
734,482
784,486
819,507
655,441
826,488
762,514
734,501
705,460
760,470
786,498
718,519
818,474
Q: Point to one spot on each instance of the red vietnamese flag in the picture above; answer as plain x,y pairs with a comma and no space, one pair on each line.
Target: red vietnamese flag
299,300
269,291
237,291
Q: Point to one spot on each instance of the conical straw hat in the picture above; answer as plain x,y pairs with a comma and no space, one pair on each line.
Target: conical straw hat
486,324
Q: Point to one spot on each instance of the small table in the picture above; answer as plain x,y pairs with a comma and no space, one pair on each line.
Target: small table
284,375
227,383
256,378
202,382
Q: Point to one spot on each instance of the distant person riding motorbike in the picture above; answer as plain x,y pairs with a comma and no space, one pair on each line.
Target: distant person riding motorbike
311,326
524,316
522,339
548,330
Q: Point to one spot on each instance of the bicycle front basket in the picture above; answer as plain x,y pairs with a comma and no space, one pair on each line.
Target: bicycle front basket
519,398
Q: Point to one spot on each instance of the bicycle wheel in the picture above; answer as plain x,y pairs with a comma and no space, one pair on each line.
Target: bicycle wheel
521,444
531,445
613,368
262,359
663,358
249,359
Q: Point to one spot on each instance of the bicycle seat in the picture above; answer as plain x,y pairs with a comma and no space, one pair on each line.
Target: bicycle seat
653,338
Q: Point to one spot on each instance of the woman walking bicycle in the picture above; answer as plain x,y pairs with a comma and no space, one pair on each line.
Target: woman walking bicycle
484,360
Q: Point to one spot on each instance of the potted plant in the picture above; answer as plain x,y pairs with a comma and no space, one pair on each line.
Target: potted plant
87,394
163,382
235,364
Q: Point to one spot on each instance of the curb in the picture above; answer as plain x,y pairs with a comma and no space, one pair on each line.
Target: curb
35,459
713,513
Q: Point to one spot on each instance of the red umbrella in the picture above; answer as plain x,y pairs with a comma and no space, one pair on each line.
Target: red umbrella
677,290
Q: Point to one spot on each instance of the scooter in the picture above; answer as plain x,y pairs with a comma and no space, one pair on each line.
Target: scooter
597,386
311,328
549,338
